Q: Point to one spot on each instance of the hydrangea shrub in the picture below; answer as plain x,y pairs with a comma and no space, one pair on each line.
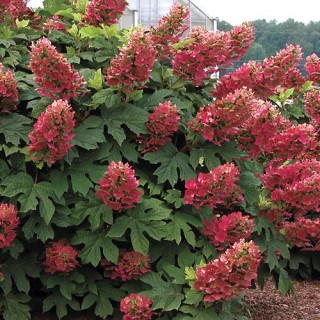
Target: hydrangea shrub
133,185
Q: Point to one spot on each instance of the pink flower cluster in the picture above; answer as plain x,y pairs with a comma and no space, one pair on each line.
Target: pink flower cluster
9,221
261,127
119,187
131,67
294,142
61,257
169,29
296,184
278,216
312,67
221,120
104,11
53,73
214,188
264,78
130,266
304,233
136,307
9,95
206,52
230,274
162,123
312,105
51,135
225,231
54,23
13,9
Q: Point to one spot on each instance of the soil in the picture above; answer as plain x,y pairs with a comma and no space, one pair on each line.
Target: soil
269,304
266,304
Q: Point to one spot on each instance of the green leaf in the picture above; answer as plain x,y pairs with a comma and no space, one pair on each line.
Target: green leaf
129,115
19,270
205,155
157,97
194,297
61,303
36,225
181,225
15,306
171,161
165,295
89,133
96,81
139,224
174,197
94,244
59,183
228,151
14,127
90,32
176,273
107,97
106,292
93,209
84,172
67,285
200,314
285,284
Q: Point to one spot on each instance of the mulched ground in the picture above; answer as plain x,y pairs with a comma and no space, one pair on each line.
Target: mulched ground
266,304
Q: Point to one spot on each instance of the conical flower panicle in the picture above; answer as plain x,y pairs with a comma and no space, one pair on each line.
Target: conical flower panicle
119,187
8,223
105,12
51,135
9,95
130,69
53,73
169,29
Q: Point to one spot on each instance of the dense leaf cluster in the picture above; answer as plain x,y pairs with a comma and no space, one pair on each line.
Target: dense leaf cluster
71,249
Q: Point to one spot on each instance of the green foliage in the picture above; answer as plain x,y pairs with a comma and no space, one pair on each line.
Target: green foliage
59,201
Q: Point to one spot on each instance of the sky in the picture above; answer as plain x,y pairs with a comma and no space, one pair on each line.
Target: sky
235,11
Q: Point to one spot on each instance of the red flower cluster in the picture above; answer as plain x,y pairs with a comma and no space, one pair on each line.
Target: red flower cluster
8,223
54,23
312,67
205,52
130,266
162,123
53,73
104,11
9,95
304,234
60,257
119,187
51,135
261,127
293,142
295,185
312,105
221,120
136,307
214,188
226,230
264,78
230,274
169,29
10,10
132,66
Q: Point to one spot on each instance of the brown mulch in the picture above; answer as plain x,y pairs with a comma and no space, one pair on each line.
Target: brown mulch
266,304
269,304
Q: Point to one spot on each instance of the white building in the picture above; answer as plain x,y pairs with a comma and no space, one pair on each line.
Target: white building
148,12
